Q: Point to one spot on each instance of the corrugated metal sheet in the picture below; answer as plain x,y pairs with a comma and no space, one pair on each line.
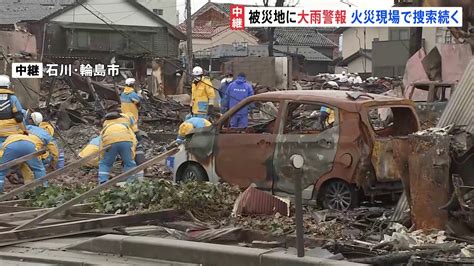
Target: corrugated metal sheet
460,108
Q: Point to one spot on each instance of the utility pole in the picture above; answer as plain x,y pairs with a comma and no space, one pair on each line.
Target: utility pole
416,34
189,38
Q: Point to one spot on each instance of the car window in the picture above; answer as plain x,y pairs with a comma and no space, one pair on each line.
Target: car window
305,118
260,118
392,121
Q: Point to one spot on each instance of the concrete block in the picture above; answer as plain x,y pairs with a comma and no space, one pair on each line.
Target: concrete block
190,252
283,259
196,252
103,244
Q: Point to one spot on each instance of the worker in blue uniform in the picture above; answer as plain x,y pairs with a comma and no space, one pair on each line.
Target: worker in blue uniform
11,111
130,100
236,92
122,141
16,146
43,140
225,82
189,125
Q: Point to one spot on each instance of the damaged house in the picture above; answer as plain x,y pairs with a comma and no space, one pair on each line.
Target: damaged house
311,50
125,33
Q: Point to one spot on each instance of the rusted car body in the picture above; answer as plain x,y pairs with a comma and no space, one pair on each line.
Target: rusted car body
348,158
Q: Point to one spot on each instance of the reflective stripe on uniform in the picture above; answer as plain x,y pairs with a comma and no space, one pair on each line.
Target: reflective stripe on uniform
104,173
9,128
5,105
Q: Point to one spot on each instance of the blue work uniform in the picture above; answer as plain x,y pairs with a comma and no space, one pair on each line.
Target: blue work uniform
16,146
43,139
129,102
11,115
187,126
122,141
236,92
222,94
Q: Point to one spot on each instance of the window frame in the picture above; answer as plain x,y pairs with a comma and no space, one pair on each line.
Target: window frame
225,120
377,134
284,117
158,12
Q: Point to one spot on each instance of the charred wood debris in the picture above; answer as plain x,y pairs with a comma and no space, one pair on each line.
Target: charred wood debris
368,234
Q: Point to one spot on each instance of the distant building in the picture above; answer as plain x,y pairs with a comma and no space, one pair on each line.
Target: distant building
167,9
211,33
90,30
305,59
205,37
383,51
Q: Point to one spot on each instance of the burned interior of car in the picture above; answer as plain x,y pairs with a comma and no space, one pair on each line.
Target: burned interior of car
392,121
262,117
304,118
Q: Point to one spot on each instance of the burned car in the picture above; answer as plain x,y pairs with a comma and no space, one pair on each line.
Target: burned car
362,152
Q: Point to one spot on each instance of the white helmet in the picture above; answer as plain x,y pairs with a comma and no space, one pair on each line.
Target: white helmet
130,81
37,118
197,71
4,81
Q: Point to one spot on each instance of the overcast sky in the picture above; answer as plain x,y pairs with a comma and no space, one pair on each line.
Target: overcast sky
196,4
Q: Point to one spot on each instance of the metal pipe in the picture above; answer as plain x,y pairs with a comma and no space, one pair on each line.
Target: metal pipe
299,217
297,161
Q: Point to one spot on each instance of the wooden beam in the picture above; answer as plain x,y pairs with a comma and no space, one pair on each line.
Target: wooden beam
10,209
21,159
40,181
21,202
22,215
85,226
33,213
96,190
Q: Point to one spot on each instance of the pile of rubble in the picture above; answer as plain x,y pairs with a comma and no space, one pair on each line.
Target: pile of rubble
335,81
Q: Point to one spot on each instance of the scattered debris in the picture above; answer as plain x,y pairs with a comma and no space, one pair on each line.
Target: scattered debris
256,202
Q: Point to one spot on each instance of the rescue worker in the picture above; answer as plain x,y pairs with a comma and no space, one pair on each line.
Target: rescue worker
43,139
37,119
11,111
236,92
115,116
189,125
223,89
120,137
202,95
16,146
90,148
130,99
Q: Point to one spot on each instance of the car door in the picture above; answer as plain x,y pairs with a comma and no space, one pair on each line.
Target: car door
244,156
301,133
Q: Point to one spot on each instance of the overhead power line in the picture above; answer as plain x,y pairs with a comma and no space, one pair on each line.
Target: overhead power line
124,34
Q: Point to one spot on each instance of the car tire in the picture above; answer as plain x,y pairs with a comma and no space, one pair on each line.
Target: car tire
193,172
339,195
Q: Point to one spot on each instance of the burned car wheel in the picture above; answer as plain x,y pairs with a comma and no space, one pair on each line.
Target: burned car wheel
338,195
193,172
